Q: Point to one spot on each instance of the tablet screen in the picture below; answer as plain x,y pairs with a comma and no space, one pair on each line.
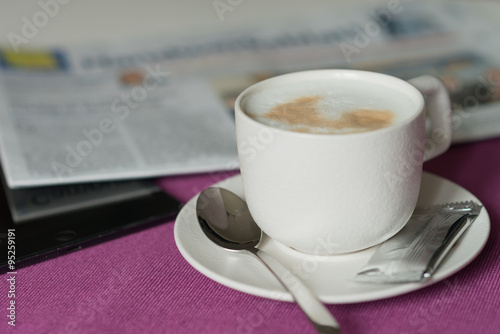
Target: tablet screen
52,221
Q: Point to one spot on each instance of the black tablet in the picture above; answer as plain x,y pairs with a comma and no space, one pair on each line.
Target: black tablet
45,222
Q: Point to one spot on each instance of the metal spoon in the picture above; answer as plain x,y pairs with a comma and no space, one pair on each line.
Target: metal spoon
225,219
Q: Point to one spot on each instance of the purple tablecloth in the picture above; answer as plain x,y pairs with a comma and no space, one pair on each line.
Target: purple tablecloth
141,284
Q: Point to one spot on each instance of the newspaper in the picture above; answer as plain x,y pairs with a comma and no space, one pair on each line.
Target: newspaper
62,127
163,107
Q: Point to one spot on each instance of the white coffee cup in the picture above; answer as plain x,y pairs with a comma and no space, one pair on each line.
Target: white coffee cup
335,193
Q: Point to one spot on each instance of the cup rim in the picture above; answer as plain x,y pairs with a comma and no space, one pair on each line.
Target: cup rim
413,93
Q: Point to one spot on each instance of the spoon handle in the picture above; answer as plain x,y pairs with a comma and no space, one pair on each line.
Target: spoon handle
314,309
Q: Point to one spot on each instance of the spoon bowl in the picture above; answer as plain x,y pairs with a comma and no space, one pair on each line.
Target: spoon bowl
225,219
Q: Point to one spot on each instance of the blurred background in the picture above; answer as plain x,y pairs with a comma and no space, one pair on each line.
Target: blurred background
103,21
216,48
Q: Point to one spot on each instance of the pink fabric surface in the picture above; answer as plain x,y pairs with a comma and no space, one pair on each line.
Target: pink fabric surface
141,284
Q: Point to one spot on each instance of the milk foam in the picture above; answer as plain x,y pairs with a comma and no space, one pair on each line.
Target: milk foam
334,99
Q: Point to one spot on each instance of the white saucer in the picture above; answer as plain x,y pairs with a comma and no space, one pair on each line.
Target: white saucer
331,278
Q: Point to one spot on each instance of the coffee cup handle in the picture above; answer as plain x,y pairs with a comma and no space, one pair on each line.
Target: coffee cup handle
438,106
